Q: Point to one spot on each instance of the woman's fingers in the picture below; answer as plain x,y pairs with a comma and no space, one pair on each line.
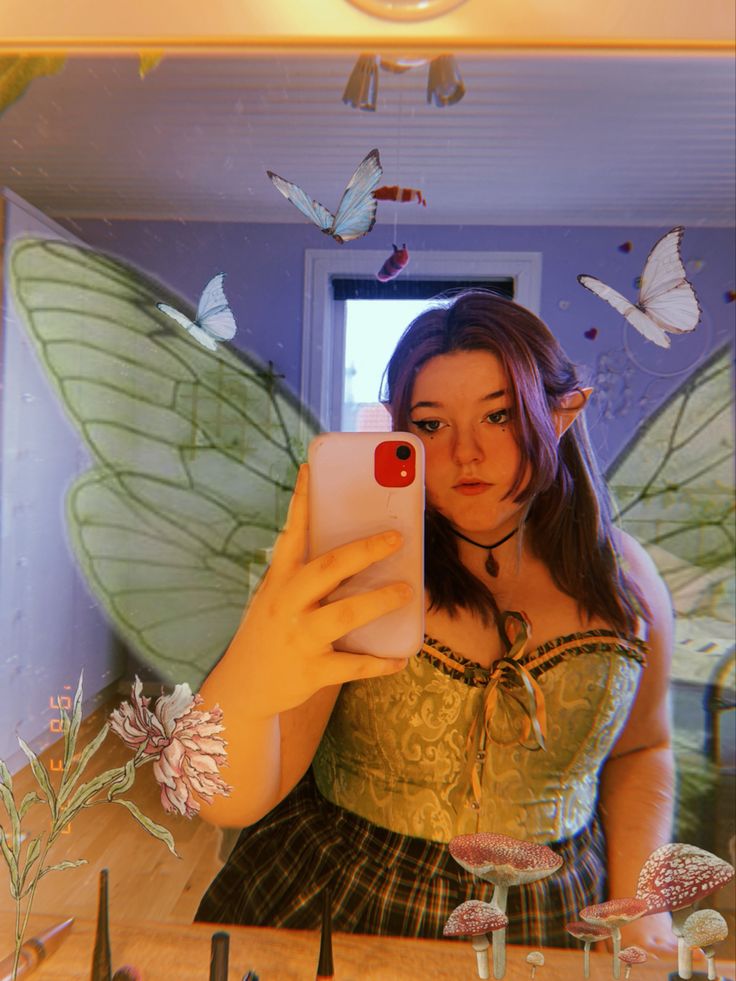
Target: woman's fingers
341,666
320,576
335,619
291,545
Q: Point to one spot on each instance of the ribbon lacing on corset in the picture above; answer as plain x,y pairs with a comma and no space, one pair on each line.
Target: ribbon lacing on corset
512,706
512,702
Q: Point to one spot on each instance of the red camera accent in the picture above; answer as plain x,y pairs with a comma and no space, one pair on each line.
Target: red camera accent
389,469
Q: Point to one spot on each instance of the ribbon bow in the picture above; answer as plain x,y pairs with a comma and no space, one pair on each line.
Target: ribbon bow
512,700
512,693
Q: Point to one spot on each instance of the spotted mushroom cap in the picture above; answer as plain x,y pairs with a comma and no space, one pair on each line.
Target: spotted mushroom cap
588,932
615,912
535,957
472,918
703,928
503,860
632,955
677,875
127,973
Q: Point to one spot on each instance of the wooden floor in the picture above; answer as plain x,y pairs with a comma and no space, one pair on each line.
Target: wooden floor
145,880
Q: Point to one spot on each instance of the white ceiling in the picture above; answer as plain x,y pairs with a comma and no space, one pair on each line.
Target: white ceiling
538,139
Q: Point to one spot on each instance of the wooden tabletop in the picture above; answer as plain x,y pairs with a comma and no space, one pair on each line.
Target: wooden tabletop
171,952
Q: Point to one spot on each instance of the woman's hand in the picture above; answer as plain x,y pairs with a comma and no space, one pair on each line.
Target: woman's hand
284,643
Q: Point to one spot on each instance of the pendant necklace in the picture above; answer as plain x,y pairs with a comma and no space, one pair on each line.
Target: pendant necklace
491,563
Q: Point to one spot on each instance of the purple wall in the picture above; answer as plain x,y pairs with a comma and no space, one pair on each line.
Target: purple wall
265,284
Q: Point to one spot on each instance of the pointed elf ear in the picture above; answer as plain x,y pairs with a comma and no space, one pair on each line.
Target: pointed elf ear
569,408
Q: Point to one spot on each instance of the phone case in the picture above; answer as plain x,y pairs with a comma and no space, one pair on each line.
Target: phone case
347,502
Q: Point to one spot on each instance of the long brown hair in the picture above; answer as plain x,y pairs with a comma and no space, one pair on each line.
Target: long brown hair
568,514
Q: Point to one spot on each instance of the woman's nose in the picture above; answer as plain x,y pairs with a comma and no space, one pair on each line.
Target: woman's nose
467,448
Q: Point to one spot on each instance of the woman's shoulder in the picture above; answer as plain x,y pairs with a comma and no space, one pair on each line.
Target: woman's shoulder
636,561
641,570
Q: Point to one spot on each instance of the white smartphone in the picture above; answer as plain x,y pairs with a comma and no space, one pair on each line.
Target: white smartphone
361,484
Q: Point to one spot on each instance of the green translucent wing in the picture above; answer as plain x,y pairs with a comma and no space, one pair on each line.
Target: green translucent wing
674,488
195,453
174,578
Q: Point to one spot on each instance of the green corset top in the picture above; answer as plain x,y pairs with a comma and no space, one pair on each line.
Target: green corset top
412,753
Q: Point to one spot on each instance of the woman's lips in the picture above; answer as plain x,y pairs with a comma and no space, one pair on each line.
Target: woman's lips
471,489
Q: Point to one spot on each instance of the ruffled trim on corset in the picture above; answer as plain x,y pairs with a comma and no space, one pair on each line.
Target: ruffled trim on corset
539,659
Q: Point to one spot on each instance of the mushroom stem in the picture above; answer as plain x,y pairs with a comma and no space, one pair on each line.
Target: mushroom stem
498,937
628,972
586,959
711,956
480,946
616,938
684,954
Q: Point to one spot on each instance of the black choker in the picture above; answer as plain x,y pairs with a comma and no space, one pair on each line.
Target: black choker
491,564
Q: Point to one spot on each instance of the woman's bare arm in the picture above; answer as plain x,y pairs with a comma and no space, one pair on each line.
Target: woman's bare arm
279,678
637,782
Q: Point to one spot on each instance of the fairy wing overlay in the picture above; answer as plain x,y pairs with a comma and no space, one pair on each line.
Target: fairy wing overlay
674,489
195,454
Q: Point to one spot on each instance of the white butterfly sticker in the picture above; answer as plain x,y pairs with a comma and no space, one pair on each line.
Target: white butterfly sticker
356,213
667,302
214,320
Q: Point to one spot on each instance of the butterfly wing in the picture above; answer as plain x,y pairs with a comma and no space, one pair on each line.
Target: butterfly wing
313,210
176,315
643,323
189,326
666,295
214,315
356,214
194,454
204,338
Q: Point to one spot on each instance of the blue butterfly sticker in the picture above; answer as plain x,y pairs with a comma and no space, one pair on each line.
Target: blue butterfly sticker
214,320
356,213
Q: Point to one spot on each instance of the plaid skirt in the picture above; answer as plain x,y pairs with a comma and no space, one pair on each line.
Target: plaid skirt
383,882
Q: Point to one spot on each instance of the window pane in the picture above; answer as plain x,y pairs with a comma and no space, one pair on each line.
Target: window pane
372,328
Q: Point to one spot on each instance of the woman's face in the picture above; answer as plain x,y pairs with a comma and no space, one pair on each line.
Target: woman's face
461,408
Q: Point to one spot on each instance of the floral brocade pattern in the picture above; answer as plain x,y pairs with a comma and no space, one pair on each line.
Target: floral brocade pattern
395,749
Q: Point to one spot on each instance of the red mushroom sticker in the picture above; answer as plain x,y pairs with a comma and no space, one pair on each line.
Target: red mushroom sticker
613,915
673,878
589,934
630,956
476,919
505,862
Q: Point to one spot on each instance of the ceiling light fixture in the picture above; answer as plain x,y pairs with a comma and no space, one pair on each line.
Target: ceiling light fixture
445,86
361,91
406,9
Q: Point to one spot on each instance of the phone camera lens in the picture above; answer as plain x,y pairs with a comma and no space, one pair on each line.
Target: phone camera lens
403,452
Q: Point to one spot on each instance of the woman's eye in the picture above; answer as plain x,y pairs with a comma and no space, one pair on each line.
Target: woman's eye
427,425
499,417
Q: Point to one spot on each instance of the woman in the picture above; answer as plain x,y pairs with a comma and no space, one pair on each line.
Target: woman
569,747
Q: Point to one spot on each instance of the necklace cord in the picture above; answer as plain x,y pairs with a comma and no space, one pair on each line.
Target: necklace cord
480,545
491,563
